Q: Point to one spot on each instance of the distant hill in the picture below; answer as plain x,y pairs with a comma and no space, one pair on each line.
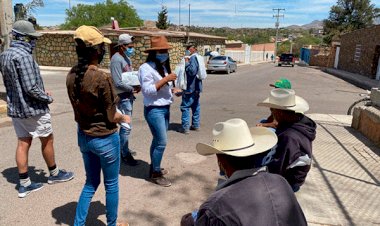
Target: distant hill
316,24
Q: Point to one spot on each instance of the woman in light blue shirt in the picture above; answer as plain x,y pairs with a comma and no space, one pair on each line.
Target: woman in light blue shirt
156,81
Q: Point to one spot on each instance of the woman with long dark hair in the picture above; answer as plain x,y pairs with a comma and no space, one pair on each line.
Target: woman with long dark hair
94,101
156,81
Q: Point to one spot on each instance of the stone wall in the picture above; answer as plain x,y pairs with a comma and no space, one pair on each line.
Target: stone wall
366,119
360,50
59,49
319,56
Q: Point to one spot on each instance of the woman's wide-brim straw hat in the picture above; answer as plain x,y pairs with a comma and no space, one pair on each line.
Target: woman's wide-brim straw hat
234,137
158,43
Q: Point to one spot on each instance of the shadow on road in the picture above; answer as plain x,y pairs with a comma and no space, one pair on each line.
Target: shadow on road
140,171
174,126
65,214
36,175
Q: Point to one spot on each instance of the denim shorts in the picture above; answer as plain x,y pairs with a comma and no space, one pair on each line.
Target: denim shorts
35,126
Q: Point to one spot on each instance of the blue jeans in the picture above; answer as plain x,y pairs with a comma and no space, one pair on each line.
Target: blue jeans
126,107
99,154
158,121
190,101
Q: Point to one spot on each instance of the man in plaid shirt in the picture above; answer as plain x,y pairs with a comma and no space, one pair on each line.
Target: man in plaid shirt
28,106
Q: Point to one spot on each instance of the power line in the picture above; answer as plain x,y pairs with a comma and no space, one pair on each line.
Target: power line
277,24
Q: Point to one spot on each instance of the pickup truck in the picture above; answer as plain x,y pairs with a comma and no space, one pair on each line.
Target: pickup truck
286,59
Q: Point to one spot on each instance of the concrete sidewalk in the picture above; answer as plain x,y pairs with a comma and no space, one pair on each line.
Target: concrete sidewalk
355,79
343,186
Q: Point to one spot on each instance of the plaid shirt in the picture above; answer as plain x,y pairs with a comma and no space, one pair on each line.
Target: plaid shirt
26,96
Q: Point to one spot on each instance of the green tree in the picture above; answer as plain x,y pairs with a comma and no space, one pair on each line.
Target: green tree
100,14
349,15
162,20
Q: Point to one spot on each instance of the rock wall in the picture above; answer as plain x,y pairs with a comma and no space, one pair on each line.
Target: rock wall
59,49
360,50
366,119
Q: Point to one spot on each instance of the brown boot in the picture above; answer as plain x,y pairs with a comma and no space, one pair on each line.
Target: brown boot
159,179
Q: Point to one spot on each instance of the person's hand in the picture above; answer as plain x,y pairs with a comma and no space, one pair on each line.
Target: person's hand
171,77
177,92
136,89
126,119
48,93
187,58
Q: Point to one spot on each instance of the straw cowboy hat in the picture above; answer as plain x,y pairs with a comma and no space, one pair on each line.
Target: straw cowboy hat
233,137
158,43
285,99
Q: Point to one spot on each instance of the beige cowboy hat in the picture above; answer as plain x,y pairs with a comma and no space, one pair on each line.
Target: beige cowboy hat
233,137
90,35
158,43
285,99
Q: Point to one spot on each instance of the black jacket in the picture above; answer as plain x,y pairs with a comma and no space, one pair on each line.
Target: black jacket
294,141
251,197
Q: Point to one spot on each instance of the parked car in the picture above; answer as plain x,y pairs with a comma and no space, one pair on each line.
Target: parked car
221,63
286,59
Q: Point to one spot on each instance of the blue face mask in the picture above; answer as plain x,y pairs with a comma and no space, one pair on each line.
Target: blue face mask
129,51
162,57
187,52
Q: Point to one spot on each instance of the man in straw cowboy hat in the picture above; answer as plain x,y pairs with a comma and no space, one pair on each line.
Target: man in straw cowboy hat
269,122
295,131
250,195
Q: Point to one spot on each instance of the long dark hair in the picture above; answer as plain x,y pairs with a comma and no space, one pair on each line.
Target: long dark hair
159,67
85,56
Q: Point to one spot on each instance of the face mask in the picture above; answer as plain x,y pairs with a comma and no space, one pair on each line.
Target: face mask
33,43
129,51
187,52
162,57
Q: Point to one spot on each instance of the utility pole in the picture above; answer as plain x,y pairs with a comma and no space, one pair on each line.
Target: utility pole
277,24
69,4
6,21
188,28
179,14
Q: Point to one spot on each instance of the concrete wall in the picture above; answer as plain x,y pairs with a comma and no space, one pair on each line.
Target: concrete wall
58,49
256,53
358,51
366,119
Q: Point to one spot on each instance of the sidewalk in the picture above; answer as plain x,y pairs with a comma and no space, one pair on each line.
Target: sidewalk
343,185
355,79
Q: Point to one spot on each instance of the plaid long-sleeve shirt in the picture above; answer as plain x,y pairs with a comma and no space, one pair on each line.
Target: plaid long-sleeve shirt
26,96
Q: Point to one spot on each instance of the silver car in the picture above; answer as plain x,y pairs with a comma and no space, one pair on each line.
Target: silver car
221,63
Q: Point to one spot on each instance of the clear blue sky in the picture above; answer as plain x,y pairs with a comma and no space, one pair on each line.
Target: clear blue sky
216,13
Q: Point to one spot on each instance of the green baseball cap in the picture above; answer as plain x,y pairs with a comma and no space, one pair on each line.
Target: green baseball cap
282,83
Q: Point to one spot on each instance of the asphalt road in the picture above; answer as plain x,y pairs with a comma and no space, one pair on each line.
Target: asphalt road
193,176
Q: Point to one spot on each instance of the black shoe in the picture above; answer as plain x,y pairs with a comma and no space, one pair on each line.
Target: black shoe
194,128
129,160
184,131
